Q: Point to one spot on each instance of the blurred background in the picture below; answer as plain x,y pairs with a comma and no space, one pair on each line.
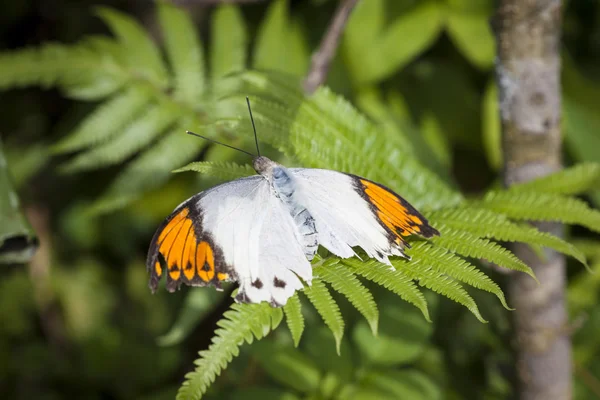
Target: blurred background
78,320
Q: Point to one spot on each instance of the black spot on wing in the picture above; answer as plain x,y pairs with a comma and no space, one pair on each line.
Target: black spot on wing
257,284
278,283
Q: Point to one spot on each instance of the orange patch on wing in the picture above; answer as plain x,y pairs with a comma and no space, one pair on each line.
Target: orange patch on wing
391,212
158,269
222,276
188,261
172,224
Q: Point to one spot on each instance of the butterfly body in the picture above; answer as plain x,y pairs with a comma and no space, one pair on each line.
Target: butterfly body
262,231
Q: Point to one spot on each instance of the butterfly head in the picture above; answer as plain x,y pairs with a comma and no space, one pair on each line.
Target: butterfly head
263,165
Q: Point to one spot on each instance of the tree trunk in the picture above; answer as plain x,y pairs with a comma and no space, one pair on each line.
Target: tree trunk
528,77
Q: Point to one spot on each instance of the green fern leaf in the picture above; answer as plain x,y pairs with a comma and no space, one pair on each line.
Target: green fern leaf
222,170
486,223
241,324
394,281
229,41
45,66
437,281
570,181
140,52
541,207
149,170
136,136
270,49
469,245
346,283
294,317
185,53
448,263
105,121
319,296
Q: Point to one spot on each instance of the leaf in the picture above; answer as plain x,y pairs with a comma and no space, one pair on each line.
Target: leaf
320,297
136,136
185,52
149,170
457,268
288,366
229,41
469,245
141,53
18,241
472,34
271,47
344,281
486,223
394,281
198,303
242,323
391,50
491,126
578,179
320,346
294,318
221,170
105,121
541,207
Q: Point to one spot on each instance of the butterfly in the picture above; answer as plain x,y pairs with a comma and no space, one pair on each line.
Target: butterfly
263,231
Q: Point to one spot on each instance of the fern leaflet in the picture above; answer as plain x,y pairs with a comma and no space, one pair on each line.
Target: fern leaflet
229,41
185,52
570,181
541,207
222,170
455,267
486,223
294,318
346,283
469,245
241,324
319,296
394,281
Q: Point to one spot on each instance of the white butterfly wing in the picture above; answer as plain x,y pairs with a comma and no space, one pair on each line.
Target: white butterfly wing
352,211
235,231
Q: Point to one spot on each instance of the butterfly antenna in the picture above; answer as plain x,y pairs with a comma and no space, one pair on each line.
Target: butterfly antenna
253,126
222,144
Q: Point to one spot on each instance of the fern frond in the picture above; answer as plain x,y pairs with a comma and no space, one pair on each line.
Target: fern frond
242,323
437,281
570,181
488,224
105,121
541,207
451,265
136,136
346,283
221,170
319,296
294,318
394,281
185,53
270,48
229,41
469,245
43,66
149,170
141,54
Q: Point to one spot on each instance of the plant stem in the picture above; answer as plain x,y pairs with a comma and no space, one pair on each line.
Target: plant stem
527,73
322,58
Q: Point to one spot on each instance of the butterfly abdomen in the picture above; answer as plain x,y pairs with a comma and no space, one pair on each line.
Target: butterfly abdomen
285,187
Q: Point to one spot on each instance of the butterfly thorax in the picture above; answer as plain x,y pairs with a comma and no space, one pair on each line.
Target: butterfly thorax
284,186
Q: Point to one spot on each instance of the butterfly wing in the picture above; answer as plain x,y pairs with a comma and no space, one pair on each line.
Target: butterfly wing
235,231
353,211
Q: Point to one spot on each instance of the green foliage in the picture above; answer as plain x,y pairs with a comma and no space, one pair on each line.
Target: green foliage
241,324
148,94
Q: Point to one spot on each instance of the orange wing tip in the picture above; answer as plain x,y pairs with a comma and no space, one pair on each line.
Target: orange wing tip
395,213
